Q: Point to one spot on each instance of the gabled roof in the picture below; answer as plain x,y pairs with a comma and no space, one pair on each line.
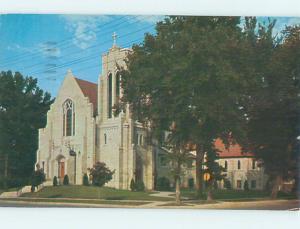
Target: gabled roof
89,90
233,150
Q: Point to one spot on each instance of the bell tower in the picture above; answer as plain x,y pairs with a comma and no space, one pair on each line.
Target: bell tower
109,91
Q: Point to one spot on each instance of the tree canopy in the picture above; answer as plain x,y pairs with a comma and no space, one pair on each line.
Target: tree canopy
23,109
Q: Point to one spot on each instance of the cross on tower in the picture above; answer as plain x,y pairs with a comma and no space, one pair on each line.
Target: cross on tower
114,36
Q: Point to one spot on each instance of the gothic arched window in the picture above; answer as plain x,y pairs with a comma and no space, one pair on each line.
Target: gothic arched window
239,164
110,96
68,118
226,165
118,84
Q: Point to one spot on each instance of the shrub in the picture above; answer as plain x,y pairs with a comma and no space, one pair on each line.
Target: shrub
85,180
132,185
55,183
140,186
101,174
38,177
246,185
66,180
227,184
163,184
191,183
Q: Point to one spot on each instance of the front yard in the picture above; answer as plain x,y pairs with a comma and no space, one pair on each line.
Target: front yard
236,195
92,192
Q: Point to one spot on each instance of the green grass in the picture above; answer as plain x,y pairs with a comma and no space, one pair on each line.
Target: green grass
86,201
92,192
236,195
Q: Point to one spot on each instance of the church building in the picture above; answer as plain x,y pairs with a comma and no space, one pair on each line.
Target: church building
82,130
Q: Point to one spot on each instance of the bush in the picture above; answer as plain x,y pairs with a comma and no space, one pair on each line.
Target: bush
191,183
38,177
55,183
163,184
66,180
140,186
101,174
132,185
85,180
246,185
227,184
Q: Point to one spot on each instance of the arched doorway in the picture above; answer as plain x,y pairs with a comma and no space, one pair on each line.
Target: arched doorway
61,165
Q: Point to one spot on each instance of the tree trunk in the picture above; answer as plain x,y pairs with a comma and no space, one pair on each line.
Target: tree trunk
199,174
276,182
178,202
209,191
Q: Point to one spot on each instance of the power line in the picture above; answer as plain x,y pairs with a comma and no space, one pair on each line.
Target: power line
72,53
83,59
100,28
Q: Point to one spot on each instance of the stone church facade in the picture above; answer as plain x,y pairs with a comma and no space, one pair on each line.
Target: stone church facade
82,129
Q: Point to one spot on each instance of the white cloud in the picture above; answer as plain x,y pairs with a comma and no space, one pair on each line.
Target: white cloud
84,28
150,18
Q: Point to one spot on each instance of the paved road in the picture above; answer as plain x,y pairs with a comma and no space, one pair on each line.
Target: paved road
252,205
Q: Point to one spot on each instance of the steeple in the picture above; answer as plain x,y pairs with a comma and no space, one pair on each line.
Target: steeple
114,36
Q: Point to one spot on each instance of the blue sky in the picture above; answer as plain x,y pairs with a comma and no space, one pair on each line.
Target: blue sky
46,46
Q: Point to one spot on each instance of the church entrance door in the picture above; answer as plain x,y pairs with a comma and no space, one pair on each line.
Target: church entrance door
62,169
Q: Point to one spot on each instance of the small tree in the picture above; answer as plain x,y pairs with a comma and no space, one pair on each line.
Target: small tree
55,183
38,177
66,180
101,174
132,185
246,185
85,180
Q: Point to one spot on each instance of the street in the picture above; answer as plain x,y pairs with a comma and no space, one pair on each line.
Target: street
249,205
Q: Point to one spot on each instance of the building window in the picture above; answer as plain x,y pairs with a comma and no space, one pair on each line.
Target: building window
110,96
118,84
253,184
253,164
68,118
105,138
239,184
226,165
141,140
239,164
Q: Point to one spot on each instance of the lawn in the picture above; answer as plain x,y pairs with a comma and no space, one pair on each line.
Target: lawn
236,195
81,201
92,192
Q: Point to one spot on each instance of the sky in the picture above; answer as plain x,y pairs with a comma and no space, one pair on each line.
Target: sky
45,46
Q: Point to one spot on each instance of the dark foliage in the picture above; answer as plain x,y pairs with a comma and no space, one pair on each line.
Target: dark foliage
66,180
100,174
55,183
163,184
85,180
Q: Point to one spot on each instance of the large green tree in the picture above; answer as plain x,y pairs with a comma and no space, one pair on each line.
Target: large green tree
23,109
188,76
272,102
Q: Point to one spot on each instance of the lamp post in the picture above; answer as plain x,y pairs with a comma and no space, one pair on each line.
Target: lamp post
73,154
